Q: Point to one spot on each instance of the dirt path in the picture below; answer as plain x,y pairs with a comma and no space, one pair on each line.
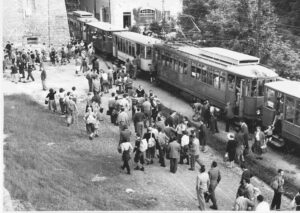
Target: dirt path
157,187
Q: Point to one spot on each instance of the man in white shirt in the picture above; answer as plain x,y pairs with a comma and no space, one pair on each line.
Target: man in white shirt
126,149
262,205
185,140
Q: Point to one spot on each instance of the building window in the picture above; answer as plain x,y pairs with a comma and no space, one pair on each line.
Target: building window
32,40
147,16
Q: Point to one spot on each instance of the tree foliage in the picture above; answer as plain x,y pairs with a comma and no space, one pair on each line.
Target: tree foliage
239,25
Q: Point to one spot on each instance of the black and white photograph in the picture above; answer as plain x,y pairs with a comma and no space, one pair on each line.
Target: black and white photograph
150,105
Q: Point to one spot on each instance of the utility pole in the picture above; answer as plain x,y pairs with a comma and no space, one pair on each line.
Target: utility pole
109,11
49,34
259,5
163,17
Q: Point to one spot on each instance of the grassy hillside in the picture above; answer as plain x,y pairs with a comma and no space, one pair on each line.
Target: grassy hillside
58,177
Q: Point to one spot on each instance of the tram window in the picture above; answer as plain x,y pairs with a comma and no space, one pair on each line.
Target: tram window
216,79
133,50
231,82
222,83
185,68
261,84
143,51
123,46
172,63
297,116
149,53
247,86
193,72
254,88
204,76
163,60
175,65
118,42
289,109
198,73
209,78
271,98
180,67
126,47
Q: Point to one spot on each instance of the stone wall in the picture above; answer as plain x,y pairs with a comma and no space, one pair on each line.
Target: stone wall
27,20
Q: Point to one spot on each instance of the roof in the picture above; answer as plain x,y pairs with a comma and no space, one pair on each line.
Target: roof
139,38
247,70
106,26
229,55
288,87
87,19
82,13
253,71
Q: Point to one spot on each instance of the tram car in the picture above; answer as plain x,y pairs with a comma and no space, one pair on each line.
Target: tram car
101,34
77,23
282,111
215,74
129,44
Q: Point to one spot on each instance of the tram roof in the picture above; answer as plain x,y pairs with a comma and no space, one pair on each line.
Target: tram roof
87,19
247,70
82,13
139,38
288,87
106,26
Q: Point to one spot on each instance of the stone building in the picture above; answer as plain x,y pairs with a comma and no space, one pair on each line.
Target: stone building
35,22
126,13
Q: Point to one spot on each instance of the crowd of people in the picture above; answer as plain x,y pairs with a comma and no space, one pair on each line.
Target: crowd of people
157,134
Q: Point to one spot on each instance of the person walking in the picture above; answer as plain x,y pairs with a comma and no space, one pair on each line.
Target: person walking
72,112
52,102
125,134
185,140
140,149
259,141
202,134
277,186
146,108
162,141
239,136
138,120
123,119
90,120
29,72
194,150
14,73
126,149
214,179
202,183
111,103
150,153
229,115
174,153
43,78
245,131
231,149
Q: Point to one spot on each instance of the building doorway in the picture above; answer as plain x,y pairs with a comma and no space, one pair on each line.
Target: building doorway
127,19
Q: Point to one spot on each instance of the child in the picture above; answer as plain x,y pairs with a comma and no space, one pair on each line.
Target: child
269,133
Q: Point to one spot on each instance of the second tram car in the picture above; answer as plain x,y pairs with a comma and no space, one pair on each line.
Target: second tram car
282,110
77,22
101,33
130,44
216,74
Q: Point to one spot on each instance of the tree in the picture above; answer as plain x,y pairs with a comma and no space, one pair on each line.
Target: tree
242,26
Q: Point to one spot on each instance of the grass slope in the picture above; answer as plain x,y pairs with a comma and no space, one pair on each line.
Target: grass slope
58,177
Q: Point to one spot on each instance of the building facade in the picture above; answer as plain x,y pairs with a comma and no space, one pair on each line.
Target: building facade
126,13
35,22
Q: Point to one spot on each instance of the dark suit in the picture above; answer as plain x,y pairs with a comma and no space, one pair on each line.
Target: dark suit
174,154
214,177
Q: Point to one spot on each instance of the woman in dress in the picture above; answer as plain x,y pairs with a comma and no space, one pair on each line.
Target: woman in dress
90,120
